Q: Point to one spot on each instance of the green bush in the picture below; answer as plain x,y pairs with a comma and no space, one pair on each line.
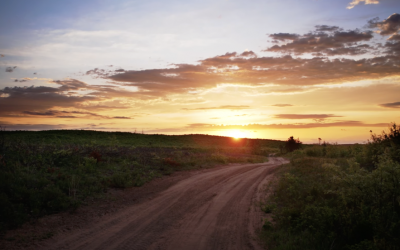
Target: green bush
50,171
335,202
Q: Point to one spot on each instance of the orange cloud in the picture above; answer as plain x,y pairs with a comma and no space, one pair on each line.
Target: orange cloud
230,107
356,2
286,126
390,105
305,116
282,105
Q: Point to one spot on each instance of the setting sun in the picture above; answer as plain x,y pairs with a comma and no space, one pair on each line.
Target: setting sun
236,134
160,77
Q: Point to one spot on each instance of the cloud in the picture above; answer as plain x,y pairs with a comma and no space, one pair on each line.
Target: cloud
284,36
252,70
356,2
255,71
304,116
19,99
230,107
389,26
121,117
35,127
248,54
206,126
25,79
282,105
10,69
70,93
324,28
390,105
395,37
325,40
100,73
71,114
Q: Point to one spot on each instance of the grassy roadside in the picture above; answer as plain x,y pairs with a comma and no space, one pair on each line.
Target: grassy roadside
51,171
338,197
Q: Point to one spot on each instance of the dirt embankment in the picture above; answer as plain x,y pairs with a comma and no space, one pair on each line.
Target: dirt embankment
208,209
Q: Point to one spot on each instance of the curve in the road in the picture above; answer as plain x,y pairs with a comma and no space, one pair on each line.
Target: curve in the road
212,210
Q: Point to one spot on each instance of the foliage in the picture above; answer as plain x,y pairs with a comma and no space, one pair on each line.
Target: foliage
386,142
329,198
51,171
292,144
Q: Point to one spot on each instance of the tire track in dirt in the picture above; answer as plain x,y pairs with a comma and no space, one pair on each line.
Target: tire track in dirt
211,210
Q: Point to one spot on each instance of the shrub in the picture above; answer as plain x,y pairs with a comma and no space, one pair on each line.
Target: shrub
337,203
292,144
386,142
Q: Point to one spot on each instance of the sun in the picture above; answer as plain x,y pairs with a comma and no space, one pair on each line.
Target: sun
236,134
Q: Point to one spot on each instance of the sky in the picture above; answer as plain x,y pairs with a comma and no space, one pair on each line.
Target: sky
257,69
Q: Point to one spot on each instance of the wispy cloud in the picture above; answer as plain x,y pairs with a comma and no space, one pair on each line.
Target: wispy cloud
206,126
391,105
230,107
71,114
282,105
325,40
324,44
304,116
11,69
356,2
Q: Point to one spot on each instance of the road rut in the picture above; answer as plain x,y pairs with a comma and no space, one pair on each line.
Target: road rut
216,209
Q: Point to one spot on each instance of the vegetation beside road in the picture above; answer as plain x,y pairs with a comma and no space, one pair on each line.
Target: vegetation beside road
47,172
338,197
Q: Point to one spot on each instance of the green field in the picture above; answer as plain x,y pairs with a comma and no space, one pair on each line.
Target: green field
47,172
337,197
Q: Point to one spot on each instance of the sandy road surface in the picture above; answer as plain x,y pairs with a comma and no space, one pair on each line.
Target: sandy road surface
216,209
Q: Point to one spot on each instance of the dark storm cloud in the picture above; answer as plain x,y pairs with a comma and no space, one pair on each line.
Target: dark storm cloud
395,105
325,40
305,116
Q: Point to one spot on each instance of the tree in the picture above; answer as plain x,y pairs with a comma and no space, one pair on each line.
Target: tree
292,144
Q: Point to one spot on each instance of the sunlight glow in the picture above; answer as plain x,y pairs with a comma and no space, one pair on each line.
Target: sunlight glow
236,134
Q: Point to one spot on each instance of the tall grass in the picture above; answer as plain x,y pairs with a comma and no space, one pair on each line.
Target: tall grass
329,197
57,172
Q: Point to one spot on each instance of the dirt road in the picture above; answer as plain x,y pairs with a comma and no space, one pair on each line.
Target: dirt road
215,209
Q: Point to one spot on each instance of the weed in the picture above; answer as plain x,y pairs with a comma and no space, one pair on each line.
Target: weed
338,197
47,172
